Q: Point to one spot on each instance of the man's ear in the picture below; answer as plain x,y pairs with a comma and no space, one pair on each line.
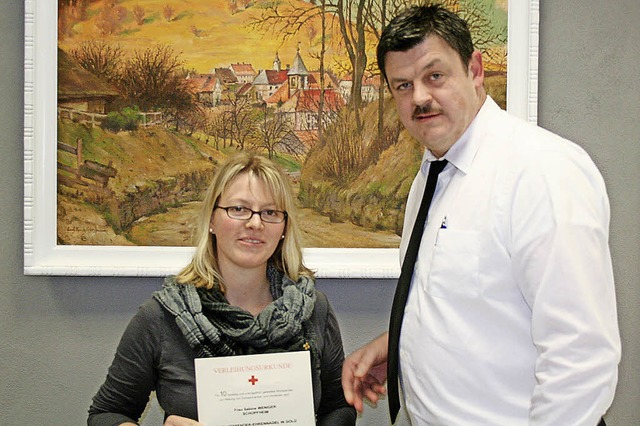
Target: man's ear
476,69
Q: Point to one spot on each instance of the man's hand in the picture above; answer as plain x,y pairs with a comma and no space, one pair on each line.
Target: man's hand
364,373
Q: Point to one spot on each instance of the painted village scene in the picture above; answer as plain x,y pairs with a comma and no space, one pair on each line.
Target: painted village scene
154,94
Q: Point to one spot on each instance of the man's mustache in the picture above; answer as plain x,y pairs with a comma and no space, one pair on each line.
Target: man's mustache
424,109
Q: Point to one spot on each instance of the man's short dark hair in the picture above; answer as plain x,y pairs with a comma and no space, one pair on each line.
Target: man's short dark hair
414,24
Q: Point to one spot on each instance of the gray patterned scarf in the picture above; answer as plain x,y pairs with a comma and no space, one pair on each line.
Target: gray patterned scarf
213,327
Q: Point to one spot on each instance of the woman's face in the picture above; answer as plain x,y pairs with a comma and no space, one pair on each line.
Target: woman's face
245,244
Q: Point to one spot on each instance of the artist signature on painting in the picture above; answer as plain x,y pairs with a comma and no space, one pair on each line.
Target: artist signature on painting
86,231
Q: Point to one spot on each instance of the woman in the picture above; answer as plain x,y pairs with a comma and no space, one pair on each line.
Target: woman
246,291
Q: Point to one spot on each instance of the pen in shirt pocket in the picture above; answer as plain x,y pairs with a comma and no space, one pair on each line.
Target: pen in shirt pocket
443,225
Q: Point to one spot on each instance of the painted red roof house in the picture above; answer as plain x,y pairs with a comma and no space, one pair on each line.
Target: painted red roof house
244,73
369,90
207,88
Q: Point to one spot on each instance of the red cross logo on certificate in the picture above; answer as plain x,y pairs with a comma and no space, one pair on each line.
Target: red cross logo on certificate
253,380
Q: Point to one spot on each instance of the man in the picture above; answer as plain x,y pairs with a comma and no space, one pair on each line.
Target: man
511,315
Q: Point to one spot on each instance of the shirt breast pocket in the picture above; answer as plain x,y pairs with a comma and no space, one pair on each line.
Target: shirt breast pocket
455,265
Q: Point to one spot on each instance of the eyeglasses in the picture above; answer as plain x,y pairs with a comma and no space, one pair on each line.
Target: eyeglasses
245,213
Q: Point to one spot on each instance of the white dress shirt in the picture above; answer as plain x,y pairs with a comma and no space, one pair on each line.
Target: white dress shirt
511,317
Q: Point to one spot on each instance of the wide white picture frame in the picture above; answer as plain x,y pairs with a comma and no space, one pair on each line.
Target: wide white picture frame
42,254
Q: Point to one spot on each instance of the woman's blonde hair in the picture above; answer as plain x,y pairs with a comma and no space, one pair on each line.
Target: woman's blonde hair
204,270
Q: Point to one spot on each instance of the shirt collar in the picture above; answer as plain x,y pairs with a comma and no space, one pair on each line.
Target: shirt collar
462,153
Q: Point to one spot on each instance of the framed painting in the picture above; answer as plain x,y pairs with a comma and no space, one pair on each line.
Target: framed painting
116,158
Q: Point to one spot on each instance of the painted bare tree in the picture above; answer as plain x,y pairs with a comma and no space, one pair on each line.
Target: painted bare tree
100,58
153,79
271,134
138,14
168,12
110,18
70,12
343,154
218,125
243,120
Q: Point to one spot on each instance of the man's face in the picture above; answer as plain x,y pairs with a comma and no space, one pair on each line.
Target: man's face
436,95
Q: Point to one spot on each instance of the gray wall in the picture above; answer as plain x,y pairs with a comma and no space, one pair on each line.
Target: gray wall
57,334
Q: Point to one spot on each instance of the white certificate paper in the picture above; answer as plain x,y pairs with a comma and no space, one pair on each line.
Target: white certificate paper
255,390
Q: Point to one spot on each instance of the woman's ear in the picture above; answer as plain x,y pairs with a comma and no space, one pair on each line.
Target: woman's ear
211,228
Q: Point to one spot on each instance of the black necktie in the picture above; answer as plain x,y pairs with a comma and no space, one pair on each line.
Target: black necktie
402,289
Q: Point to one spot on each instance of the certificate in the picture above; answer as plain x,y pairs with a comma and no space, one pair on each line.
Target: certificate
255,390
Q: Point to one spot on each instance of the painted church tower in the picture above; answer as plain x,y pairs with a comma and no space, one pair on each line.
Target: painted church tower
277,65
298,75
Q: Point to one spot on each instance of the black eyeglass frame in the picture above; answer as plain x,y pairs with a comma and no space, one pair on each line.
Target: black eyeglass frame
259,213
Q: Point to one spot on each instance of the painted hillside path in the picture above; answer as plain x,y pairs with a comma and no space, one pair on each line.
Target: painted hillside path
81,225
174,228
140,197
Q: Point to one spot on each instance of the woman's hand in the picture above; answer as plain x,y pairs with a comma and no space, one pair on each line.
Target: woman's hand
181,421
